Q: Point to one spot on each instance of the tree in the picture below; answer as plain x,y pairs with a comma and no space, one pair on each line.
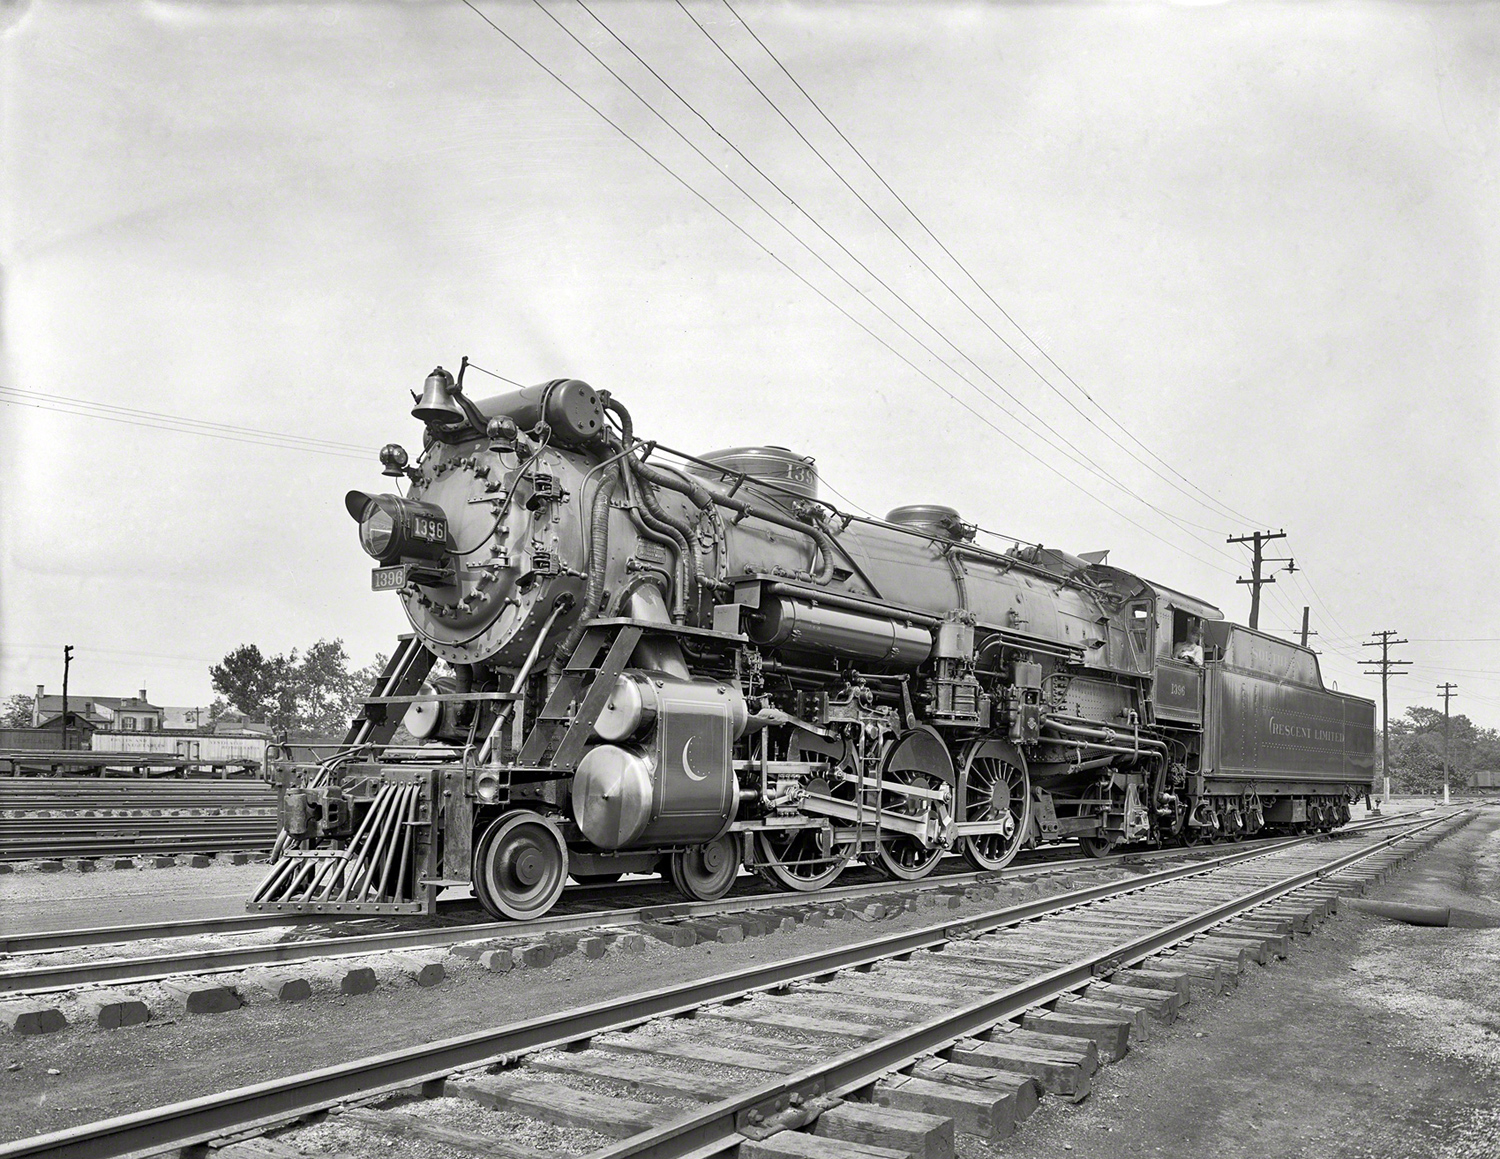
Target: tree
316,693
16,711
1417,750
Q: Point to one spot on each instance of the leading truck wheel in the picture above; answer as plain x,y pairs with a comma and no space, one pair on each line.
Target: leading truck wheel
706,872
520,866
994,788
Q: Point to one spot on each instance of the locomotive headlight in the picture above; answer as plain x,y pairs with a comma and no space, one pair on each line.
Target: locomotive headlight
376,532
392,528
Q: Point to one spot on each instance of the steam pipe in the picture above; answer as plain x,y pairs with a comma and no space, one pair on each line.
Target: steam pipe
855,604
559,606
659,532
621,600
678,580
1109,736
593,592
701,497
959,584
679,529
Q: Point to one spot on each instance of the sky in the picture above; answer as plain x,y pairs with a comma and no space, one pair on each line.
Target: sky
1133,276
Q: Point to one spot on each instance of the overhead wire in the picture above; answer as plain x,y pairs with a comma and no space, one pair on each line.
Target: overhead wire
1213,504
1069,449
815,289
153,420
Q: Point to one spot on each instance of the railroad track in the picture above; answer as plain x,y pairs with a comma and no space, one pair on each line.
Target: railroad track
897,1040
650,897
87,818
37,793
622,907
133,836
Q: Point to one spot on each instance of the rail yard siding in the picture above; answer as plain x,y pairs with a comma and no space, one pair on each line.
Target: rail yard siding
201,748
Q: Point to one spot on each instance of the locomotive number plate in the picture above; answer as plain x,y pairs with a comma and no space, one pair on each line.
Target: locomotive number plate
388,579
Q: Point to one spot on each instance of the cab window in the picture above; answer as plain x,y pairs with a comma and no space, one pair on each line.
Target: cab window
1140,625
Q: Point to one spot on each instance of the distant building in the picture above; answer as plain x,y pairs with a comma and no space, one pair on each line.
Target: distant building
192,718
233,723
112,713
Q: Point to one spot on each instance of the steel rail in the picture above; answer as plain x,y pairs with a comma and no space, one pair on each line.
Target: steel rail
191,841
49,979
264,1105
715,1129
45,940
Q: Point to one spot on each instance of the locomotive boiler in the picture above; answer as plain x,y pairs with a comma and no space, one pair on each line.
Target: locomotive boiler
628,659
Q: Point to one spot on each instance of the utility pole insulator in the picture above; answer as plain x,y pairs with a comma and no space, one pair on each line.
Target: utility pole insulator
1256,540
67,661
1447,689
1383,668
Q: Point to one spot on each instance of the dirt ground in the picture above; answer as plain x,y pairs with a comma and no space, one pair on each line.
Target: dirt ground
1372,1040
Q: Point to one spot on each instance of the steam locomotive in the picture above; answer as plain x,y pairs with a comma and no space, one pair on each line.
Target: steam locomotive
628,659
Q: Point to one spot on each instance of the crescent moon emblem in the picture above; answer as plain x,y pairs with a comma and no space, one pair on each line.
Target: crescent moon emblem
687,763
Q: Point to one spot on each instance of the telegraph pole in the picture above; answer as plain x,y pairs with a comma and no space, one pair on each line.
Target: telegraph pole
1257,539
1305,632
1383,668
67,660
1447,690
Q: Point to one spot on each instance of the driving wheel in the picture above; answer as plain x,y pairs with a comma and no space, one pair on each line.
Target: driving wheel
994,789
921,760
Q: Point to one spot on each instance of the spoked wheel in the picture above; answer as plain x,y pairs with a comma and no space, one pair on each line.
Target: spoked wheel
595,878
920,759
799,859
803,860
995,789
520,866
706,872
1094,846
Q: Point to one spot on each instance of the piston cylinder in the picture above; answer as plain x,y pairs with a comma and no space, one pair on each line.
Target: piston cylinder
671,781
819,628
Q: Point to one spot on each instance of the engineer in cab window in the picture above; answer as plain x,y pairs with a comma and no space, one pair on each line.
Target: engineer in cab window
1191,649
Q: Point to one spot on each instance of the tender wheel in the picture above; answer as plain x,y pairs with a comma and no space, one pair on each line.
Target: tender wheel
595,878
994,787
706,872
799,859
1094,846
920,759
520,866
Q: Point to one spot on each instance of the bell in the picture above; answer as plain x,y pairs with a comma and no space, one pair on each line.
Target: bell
437,407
